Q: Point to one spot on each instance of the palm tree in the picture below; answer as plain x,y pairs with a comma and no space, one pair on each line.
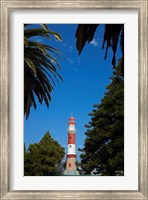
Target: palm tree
113,34
40,66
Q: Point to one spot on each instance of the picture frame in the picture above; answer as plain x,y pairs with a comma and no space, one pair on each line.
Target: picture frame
6,7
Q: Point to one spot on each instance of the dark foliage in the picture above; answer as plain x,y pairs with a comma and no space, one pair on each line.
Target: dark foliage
103,152
44,158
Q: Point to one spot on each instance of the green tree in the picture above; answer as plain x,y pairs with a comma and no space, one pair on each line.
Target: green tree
103,152
44,158
40,65
113,34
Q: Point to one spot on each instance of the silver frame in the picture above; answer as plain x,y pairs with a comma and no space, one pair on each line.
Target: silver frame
6,7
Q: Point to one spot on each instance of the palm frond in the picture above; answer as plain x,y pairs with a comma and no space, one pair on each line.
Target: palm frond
40,67
85,33
31,65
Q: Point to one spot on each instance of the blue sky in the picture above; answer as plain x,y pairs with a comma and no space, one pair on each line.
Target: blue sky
85,77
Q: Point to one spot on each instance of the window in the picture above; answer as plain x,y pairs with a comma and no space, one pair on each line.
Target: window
69,164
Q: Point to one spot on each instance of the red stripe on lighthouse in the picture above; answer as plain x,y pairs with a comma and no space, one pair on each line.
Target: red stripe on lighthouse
71,155
71,138
70,122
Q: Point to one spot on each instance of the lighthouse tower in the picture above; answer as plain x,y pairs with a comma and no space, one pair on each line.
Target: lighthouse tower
71,154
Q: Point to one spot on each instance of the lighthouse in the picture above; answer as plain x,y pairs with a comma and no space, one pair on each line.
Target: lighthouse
71,153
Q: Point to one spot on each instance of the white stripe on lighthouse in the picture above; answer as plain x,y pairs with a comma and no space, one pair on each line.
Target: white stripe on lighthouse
71,127
71,149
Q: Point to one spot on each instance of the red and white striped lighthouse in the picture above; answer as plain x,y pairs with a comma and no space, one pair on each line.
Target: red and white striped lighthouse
71,138
71,154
